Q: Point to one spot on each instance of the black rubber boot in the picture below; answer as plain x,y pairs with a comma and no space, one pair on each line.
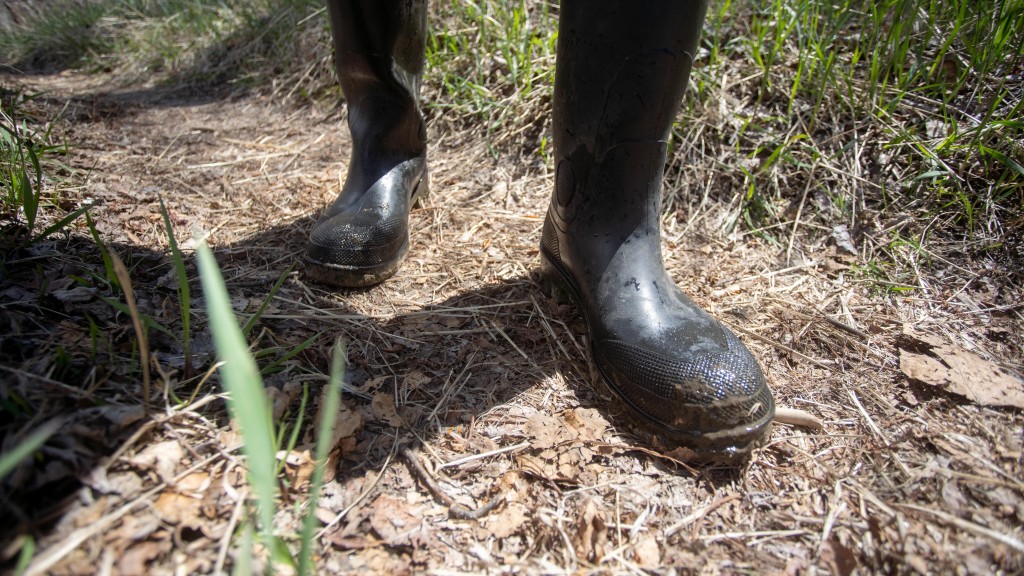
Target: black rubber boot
621,71
362,237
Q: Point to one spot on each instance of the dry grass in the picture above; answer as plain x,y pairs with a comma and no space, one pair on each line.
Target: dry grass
463,355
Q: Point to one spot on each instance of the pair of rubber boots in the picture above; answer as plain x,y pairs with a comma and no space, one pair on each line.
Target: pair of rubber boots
622,68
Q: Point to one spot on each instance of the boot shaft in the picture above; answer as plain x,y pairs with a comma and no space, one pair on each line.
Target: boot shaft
622,70
379,49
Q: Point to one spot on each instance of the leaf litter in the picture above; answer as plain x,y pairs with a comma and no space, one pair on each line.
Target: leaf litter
462,356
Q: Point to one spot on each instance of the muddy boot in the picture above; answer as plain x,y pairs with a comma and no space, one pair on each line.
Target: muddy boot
362,237
622,68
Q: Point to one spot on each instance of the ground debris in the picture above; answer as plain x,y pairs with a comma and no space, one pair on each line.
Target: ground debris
928,359
462,352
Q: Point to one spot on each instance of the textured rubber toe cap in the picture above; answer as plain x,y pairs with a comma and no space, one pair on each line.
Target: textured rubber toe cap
337,242
709,400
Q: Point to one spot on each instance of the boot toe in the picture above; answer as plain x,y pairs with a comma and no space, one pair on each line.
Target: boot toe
348,253
713,401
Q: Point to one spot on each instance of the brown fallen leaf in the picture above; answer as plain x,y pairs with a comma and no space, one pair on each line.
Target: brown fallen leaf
646,552
931,360
346,423
396,522
135,560
592,534
383,405
839,559
162,458
505,523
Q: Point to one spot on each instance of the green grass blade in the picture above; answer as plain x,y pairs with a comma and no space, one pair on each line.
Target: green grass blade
325,434
251,323
247,401
184,294
243,559
1003,159
71,217
28,551
27,447
108,264
290,354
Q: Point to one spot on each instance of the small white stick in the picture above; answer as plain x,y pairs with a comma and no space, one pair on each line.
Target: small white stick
461,461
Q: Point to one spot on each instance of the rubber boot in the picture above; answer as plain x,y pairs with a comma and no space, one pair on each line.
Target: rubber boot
362,237
621,71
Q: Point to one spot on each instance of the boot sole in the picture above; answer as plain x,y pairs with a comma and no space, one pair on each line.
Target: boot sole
729,445
366,276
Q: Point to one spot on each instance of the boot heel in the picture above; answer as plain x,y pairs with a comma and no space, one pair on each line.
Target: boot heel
421,193
552,281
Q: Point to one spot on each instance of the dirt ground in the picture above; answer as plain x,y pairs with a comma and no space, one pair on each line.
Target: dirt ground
464,358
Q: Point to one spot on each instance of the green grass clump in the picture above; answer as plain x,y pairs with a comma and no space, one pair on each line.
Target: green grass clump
27,159
492,63
191,41
919,98
248,406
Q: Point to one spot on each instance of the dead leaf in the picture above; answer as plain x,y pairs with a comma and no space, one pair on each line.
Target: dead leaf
396,522
506,522
383,405
592,534
646,552
134,560
839,559
162,458
930,360
346,423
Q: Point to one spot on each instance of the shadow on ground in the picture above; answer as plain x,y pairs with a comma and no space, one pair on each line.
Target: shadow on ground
70,354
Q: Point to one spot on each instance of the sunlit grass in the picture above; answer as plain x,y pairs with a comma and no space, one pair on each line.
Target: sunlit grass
248,405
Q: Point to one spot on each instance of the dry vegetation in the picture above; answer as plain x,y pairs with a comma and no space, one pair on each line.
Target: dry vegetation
871,297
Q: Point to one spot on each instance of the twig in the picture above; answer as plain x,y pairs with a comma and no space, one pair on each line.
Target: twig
781,346
225,543
867,417
49,382
514,345
795,417
455,509
969,526
695,517
460,461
